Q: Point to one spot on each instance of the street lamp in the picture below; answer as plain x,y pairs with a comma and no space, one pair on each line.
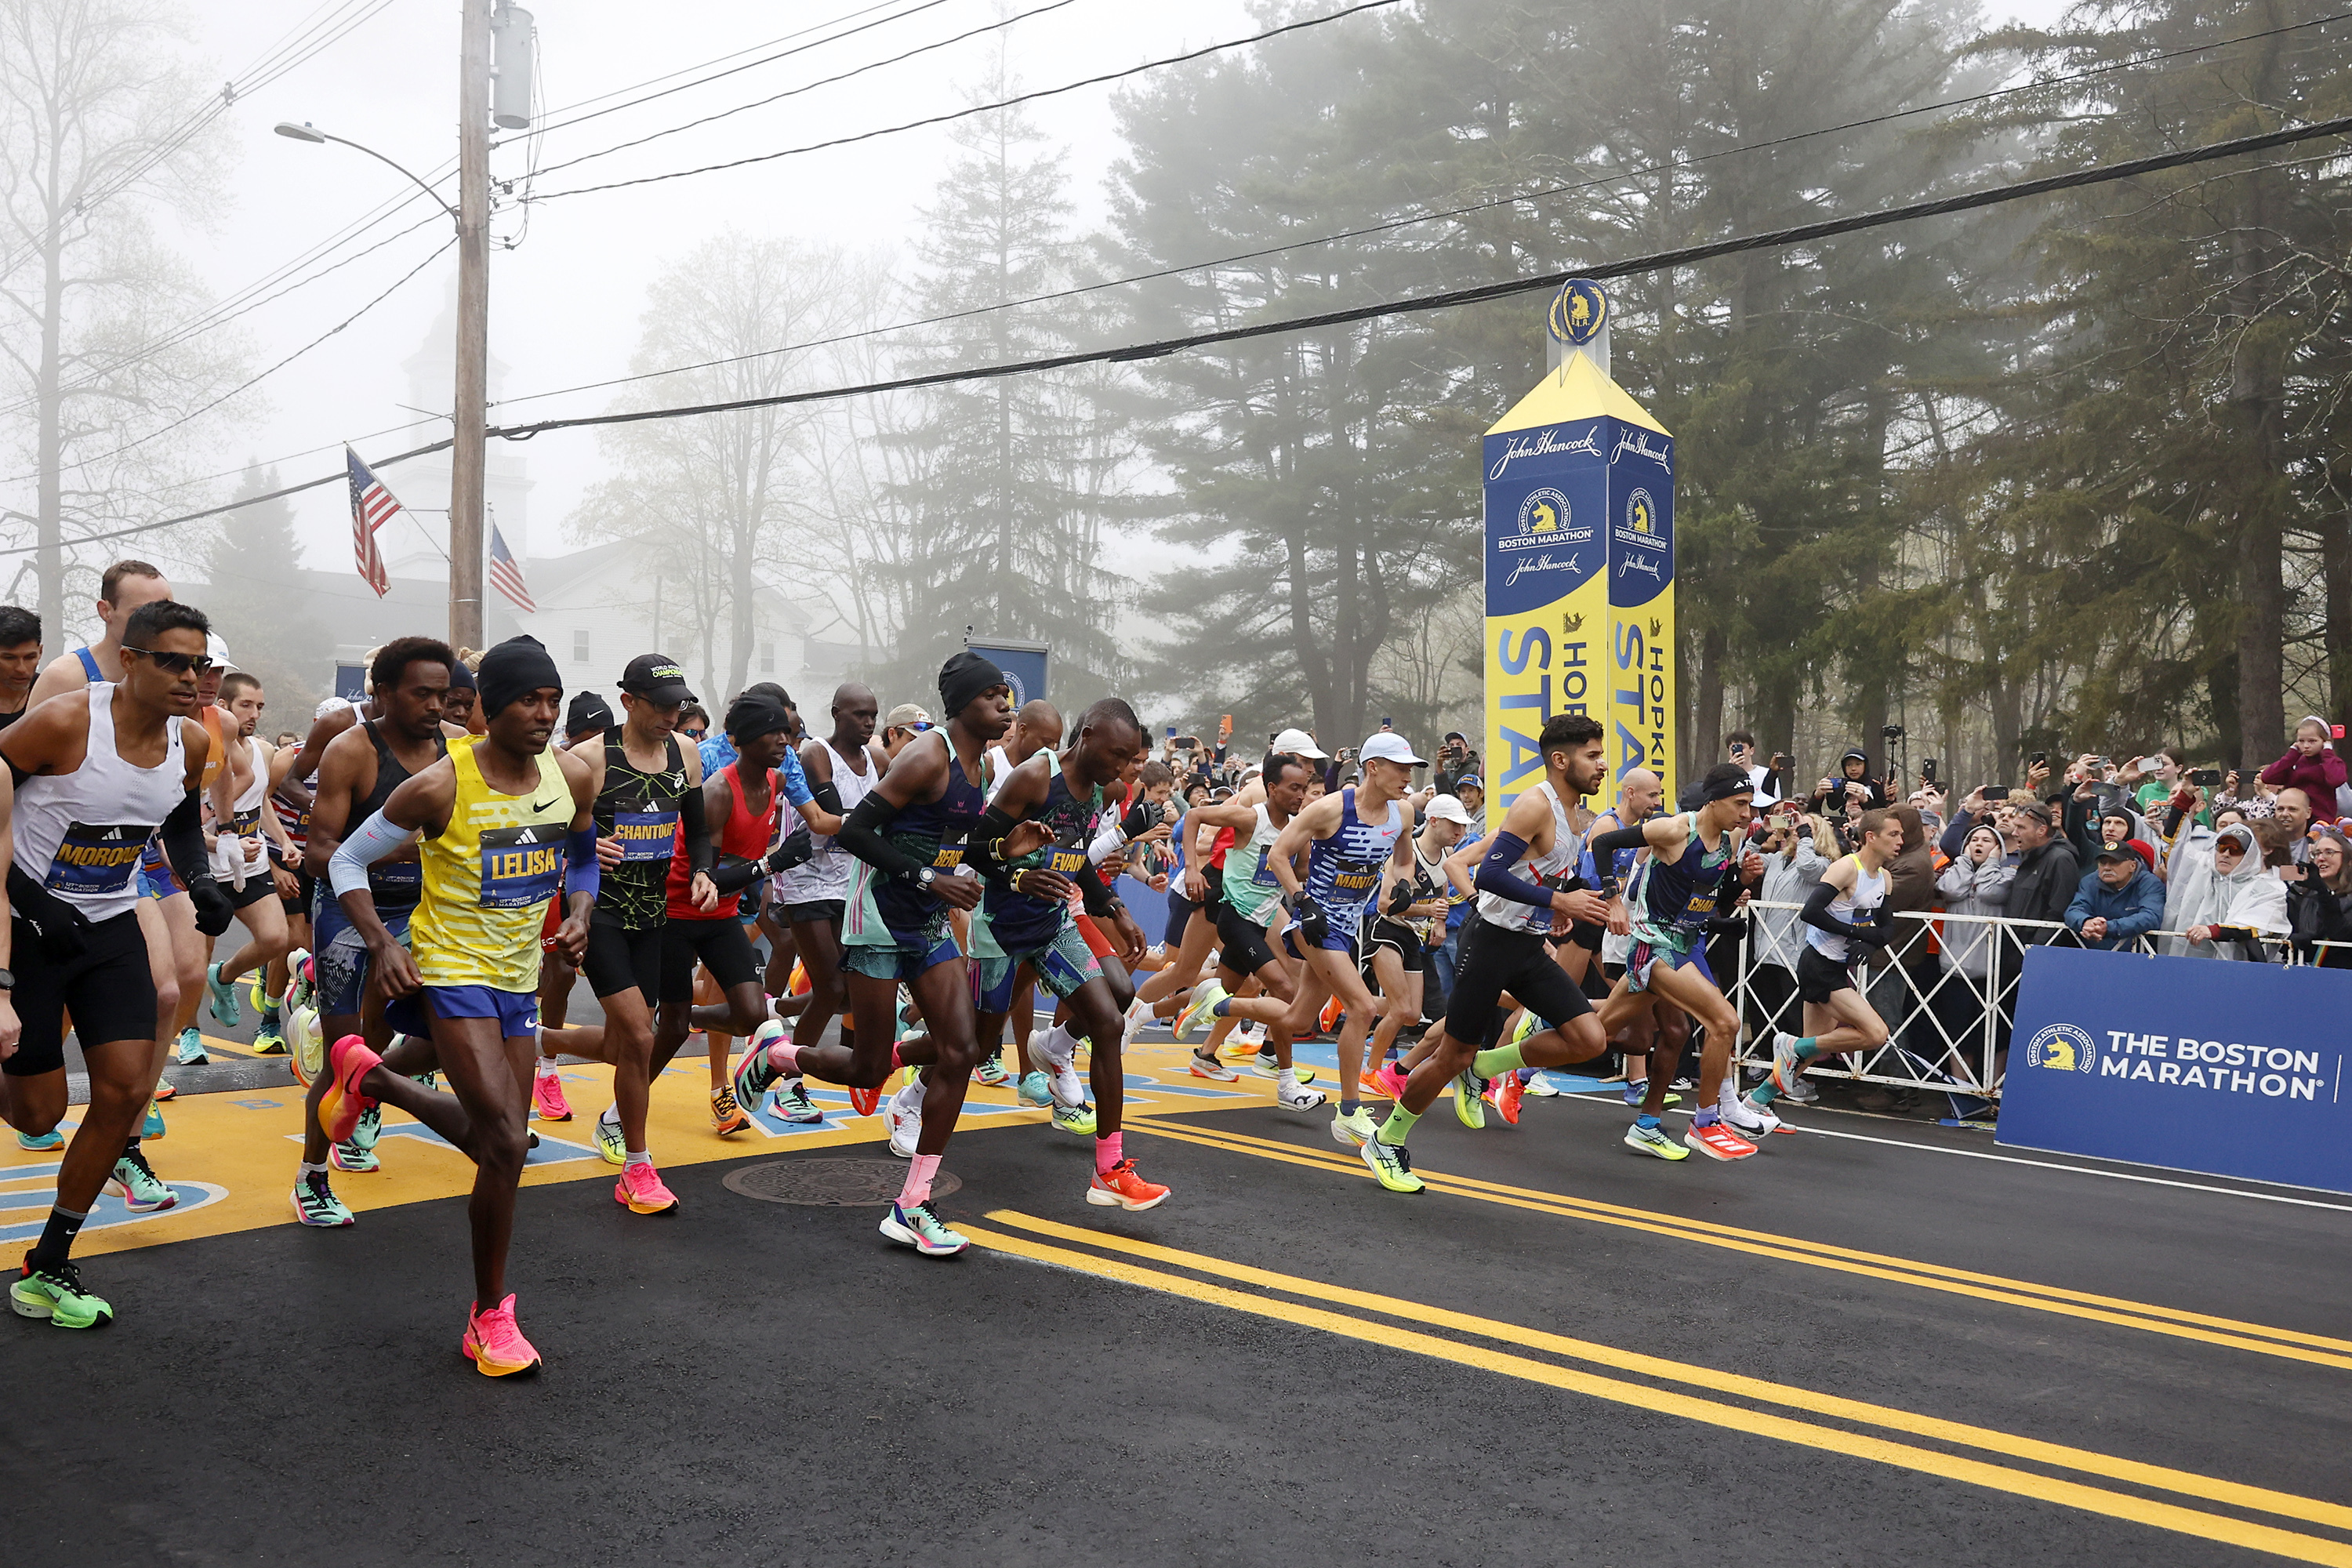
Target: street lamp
306,132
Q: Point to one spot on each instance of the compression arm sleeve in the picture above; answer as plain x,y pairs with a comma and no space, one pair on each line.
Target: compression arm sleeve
861,834
980,849
795,780
826,795
347,870
582,872
694,820
1495,873
1108,843
183,839
1605,845
1094,893
1817,913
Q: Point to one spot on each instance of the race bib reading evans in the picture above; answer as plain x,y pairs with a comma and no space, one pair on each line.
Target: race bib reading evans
1064,862
645,835
100,858
521,865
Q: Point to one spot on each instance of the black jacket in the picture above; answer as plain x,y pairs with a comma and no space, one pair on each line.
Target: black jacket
2046,880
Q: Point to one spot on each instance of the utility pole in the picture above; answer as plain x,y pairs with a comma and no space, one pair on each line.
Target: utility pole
467,457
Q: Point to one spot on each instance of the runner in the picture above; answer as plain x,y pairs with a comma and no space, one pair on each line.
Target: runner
585,724
908,834
1843,917
649,796
499,822
1249,913
1693,856
362,767
121,590
96,774
20,661
841,770
1356,847
1025,924
252,839
742,800
1640,795
1504,950
1396,935
1036,727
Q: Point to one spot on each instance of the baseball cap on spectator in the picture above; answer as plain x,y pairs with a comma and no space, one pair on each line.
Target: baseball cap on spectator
1298,742
906,714
2128,848
1388,746
1448,808
1469,781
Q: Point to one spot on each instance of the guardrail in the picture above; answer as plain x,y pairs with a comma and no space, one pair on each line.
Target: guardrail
1947,992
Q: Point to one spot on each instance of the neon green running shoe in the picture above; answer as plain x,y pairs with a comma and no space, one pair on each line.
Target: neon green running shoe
1390,1165
1470,1099
610,1141
1074,1117
1527,1025
1201,1007
269,1037
1356,1129
56,1293
1654,1141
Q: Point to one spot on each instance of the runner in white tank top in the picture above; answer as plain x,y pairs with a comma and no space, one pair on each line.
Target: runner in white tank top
1842,918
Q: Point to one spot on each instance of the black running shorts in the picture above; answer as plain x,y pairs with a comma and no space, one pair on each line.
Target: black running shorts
1241,940
107,987
1819,976
1519,961
618,959
716,945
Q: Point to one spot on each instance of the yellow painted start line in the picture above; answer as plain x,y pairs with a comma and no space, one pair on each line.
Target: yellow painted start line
1369,1316
2290,1344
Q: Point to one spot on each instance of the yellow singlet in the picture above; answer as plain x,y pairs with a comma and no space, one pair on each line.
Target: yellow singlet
487,879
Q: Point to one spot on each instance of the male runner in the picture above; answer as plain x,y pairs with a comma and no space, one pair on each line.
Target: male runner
20,661
648,793
1676,893
126,585
361,769
1250,910
841,770
500,821
96,774
1640,796
1396,936
1356,845
251,833
1522,884
909,834
1842,918
1026,923
1036,727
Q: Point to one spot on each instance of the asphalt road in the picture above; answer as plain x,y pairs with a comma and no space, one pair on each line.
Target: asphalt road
1309,1369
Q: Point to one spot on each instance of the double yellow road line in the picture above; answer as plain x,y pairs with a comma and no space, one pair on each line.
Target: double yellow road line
2233,1333
1823,1422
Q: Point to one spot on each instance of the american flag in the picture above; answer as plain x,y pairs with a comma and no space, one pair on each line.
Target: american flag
504,575
371,507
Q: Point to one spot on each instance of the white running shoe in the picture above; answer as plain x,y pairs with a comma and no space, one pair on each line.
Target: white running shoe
906,1126
1067,1088
1292,1097
1139,1013
1749,1119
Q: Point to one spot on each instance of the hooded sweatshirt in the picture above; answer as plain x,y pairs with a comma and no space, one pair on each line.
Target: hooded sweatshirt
1968,889
2317,777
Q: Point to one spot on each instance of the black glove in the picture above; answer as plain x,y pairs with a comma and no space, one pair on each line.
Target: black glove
1871,936
1400,900
795,850
1313,923
213,910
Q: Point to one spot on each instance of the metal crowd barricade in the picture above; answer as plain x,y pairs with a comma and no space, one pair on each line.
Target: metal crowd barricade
1947,999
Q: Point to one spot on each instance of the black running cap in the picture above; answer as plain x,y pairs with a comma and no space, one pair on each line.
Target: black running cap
657,679
588,712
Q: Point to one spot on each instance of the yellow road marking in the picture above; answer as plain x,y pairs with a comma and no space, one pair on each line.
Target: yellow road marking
2284,1343
1928,1461
2186,1482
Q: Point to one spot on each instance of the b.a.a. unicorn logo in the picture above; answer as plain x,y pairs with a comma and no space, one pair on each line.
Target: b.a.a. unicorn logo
2064,1047
1641,513
1543,514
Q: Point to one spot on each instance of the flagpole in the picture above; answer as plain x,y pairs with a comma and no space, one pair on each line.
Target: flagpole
466,457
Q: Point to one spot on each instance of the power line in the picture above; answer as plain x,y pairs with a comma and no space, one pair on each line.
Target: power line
1390,225
1014,101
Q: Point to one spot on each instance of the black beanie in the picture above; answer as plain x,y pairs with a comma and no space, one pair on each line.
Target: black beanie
964,678
512,671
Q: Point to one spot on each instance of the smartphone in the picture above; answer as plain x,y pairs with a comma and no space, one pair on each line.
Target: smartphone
2205,778
2038,760
1996,792
1189,743
1927,770
1387,722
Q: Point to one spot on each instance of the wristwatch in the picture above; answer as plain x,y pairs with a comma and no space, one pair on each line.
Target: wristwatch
7,980
925,876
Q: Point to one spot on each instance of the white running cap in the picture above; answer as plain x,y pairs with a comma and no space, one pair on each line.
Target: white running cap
1299,742
1448,808
1388,746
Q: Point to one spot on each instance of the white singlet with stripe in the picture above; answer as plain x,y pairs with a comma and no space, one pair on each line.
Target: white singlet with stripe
1853,908
80,833
227,857
824,876
1550,871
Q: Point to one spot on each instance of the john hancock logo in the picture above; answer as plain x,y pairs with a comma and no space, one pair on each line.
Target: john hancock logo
2064,1047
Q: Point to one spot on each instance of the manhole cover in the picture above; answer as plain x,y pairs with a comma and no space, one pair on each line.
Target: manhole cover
831,1182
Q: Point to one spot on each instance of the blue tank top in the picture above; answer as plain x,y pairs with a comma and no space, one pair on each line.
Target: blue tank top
1672,902
1343,871
932,832
1019,921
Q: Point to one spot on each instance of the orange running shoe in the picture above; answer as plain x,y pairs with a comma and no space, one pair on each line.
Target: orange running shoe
341,1107
1717,1140
726,1117
495,1345
1120,1186
864,1101
1332,1013
640,1190
1369,1083
1504,1092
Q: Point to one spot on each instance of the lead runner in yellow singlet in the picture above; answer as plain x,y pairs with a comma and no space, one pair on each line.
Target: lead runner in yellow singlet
504,826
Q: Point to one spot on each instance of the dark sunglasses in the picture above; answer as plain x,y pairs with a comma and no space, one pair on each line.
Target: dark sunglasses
173,663
919,727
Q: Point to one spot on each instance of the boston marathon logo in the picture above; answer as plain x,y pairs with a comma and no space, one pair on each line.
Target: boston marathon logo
2064,1047
1543,520
1547,443
2272,1072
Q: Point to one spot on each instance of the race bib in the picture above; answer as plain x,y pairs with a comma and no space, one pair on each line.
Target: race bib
1353,878
96,858
950,857
1263,875
521,866
645,835
1064,862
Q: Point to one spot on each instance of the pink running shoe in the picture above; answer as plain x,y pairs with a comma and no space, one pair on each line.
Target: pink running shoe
1391,1079
640,1190
547,1101
341,1107
495,1345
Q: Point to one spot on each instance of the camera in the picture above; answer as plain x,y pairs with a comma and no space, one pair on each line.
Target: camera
1892,731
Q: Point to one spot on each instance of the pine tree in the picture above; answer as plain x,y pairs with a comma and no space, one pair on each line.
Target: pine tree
255,596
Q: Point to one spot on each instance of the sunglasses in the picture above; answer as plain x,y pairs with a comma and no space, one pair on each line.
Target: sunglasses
919,727
173,663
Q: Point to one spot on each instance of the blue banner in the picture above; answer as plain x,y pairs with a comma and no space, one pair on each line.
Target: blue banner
1023,666
2199,1064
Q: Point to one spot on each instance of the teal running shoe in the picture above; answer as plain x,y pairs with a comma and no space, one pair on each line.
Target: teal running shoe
755,1073
142,1190
40,1143
1652,1140
1034,1091
224,997
923,1230
369,1128
794,1104
190,1051
1390,1165
152,1126
991,1074
56,1293
315,1202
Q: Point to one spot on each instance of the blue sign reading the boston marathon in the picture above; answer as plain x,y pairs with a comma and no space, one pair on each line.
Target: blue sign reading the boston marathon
2199,1064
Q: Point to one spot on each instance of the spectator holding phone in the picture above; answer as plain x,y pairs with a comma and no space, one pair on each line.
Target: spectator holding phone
2311,765
1850,786
2319,899
1456,761
1740,746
